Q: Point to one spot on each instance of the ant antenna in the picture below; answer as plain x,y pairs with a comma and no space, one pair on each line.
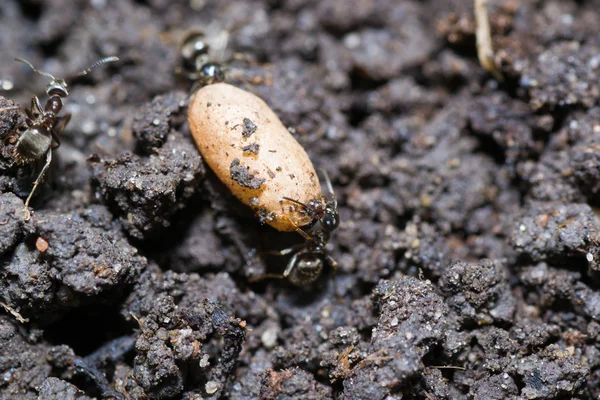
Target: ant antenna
296,201
86,71
329,187
82,73
34,69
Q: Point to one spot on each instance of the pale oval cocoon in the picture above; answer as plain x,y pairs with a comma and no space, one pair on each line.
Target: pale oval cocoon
253,154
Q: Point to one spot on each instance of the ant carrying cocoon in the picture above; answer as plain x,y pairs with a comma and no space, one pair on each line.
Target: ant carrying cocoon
250,150
306,264
40,134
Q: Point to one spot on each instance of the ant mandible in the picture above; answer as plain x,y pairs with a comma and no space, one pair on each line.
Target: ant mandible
40,133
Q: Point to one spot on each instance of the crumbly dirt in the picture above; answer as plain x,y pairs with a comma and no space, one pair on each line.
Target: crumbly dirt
249,128
469,246
242,175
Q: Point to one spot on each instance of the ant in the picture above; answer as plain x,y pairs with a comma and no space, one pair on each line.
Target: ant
40,133
196,62
306,263
308,258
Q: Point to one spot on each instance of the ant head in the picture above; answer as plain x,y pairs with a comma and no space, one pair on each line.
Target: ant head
330,219
208,74
57,87
212,72
321,209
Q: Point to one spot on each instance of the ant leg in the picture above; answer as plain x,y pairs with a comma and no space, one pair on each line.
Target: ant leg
64,120
37,182
192,76
297,229
265,276
331,262
295,201
290,265
36,106
329,187
284,252
334,265
288,269
196,86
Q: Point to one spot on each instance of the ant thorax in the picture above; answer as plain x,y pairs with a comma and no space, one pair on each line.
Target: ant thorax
319,238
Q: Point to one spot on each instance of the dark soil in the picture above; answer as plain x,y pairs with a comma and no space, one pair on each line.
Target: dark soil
469,245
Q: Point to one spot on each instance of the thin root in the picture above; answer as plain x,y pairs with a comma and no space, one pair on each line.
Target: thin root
483,37
15,313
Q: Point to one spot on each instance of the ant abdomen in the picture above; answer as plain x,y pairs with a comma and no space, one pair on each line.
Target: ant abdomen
32,144
307,270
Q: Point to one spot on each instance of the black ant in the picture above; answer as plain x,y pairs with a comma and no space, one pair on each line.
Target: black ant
43,126
306,263
196,62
